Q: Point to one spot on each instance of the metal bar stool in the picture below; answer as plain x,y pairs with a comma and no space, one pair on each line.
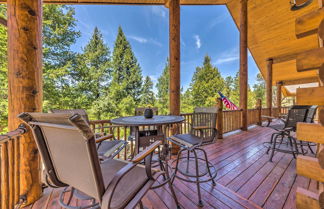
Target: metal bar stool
195,167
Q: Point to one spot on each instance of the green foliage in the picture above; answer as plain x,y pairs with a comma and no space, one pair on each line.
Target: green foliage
147,97
205,84
3,74
259,89
163,87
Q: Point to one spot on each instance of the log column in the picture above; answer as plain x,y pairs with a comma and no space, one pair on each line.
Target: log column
25,85
269,85
279,96
244,62
174,8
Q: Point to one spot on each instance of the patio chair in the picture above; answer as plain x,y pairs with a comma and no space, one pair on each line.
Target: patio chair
107,145
203,131
67,147
296,113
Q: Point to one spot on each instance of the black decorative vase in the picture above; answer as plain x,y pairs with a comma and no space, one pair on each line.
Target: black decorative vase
148,113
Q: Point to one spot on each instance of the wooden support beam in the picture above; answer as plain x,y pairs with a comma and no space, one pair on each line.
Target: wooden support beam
320,156
309,167
321,116
132,2
308,24
306,199
321,30
269,85
310,132
310,60
220,118
259,107
284,58
244,62
25,84
3,21
321,75
300,81
279,96
310,96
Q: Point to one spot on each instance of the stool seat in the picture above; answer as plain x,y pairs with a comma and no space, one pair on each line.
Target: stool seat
187,140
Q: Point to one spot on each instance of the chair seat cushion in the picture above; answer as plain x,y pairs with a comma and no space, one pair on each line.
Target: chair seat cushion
107,148
188,140
129,185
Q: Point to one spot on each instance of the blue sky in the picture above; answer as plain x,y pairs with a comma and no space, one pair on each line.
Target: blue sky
204,30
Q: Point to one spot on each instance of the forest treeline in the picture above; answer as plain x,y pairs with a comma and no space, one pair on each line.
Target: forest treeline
109,82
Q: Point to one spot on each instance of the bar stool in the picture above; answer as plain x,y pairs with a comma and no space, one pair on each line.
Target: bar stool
195,167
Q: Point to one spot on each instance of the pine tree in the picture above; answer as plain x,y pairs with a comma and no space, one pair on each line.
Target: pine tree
259,88
93,73
147,97
59,34
205,84
163,90
126,85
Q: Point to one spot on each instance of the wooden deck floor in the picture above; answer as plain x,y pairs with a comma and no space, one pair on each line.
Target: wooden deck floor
246,179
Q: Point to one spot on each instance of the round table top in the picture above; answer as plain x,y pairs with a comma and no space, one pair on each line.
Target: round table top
142,121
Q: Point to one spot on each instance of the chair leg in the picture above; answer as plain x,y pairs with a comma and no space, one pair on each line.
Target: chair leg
200,203
171,187
273,147
207,165
293,141
310,148
140,204
177,164
271,142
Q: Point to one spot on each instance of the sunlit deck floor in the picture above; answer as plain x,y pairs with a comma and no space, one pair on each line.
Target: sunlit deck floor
246,178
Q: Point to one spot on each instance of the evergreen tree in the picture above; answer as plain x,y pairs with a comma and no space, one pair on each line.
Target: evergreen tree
126,85
147,97
205,84
93,72
163,90
59,34
259,88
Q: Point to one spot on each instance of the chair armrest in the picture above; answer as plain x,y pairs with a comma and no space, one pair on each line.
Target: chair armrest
103,138
139,157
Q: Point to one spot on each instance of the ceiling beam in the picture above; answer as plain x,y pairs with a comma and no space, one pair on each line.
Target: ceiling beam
284,58
3,21
133,2
299,81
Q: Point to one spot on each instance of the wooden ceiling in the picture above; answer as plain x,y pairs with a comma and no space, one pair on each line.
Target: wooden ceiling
271,31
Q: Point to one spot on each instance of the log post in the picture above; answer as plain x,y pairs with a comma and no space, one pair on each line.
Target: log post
279,97
269,85
259,108
220,118
244,62
25,85
174,41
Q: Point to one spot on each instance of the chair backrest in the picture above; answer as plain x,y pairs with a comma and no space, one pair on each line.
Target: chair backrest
311,114
296,114
206,116
81,112
140,110
67,147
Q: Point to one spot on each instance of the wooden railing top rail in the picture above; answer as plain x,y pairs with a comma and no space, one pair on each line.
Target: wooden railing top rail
12,134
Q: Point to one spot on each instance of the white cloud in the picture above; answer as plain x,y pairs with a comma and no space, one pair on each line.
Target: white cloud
228,56
219,19
143,40
159,11
198,41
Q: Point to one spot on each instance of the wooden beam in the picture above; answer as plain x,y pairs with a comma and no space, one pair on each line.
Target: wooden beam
310,96
25,84
306,199
308,24
219,123
320,156
309,167
321,75
3,21
321,116
310,60
279,96
132,2
284,58
321,30
269,85
244,62
174,47
310,132
300,81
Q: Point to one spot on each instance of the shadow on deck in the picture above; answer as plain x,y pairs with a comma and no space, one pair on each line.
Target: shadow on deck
246,178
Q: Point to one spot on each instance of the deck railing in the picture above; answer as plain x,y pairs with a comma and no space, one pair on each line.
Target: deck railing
10,150
10,168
